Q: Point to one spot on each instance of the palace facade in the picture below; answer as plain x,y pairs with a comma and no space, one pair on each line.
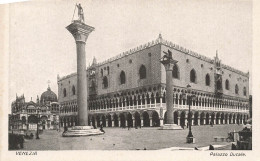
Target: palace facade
129,89
26,115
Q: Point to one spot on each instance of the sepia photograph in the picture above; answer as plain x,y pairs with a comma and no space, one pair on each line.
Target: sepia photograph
158,76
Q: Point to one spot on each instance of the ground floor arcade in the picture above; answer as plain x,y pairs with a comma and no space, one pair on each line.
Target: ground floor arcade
155,118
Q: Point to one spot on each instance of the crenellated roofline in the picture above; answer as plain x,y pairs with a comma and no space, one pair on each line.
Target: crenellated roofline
167,43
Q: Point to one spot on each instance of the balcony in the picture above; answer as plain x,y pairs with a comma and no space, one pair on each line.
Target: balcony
175,106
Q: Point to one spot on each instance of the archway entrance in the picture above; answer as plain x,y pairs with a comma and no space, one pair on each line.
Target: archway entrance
212,118
175,117
234,119
155,119
196,116
122,120
202,117
217,118
146,120
109,120
226,118
98,121
222,118
207,119
182,119
137,119
238,121
115,120
230,118
129,120
93,122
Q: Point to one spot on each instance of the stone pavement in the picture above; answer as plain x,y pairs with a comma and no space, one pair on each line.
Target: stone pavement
149,138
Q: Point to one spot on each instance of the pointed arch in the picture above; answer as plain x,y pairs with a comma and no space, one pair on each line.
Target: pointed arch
122,77
193,77
244,91
73,90
207,80
64,92
142,72
105,82
236,89
176,72
227,84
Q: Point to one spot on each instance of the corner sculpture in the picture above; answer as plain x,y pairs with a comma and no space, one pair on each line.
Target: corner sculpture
80,31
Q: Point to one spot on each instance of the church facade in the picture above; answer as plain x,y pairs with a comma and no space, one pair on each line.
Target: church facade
44,112
129,89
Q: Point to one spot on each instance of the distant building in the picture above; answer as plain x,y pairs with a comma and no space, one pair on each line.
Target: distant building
26,114
129,89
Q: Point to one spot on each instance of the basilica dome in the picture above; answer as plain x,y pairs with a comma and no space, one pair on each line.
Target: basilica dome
49,96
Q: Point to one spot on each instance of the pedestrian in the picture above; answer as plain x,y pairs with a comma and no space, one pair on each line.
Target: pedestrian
128,126
211,123
211,147
187,124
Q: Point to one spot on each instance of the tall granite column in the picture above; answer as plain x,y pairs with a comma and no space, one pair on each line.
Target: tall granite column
80,32
169,92
169,63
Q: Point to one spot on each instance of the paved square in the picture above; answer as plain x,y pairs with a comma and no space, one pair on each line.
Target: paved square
124,139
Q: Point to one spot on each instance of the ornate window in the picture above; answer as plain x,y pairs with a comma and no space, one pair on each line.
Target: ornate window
73,90
105,82
244,91
227,84
236,89
64,92
207,80
142,72
122,77
175,72
193,76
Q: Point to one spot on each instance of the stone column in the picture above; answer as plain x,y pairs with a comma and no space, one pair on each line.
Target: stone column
106,122
113,123
204,121
142,122
151,122
161,122
80,32
179,120
119,123
199,121
169,64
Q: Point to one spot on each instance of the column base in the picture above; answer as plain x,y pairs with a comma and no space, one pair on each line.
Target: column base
82,131
190,140
170,127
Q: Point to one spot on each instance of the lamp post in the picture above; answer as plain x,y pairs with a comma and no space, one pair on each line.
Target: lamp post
37,132
190,138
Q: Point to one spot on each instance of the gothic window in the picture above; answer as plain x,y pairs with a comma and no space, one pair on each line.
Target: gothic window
107,70
101,72
227,84
64,92
73,90
193,76
92,87
175,72
219,82
207,79
142,72
236,89
122,77
244,91
105,82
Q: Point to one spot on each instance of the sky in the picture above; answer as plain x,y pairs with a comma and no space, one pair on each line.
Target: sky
41,47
